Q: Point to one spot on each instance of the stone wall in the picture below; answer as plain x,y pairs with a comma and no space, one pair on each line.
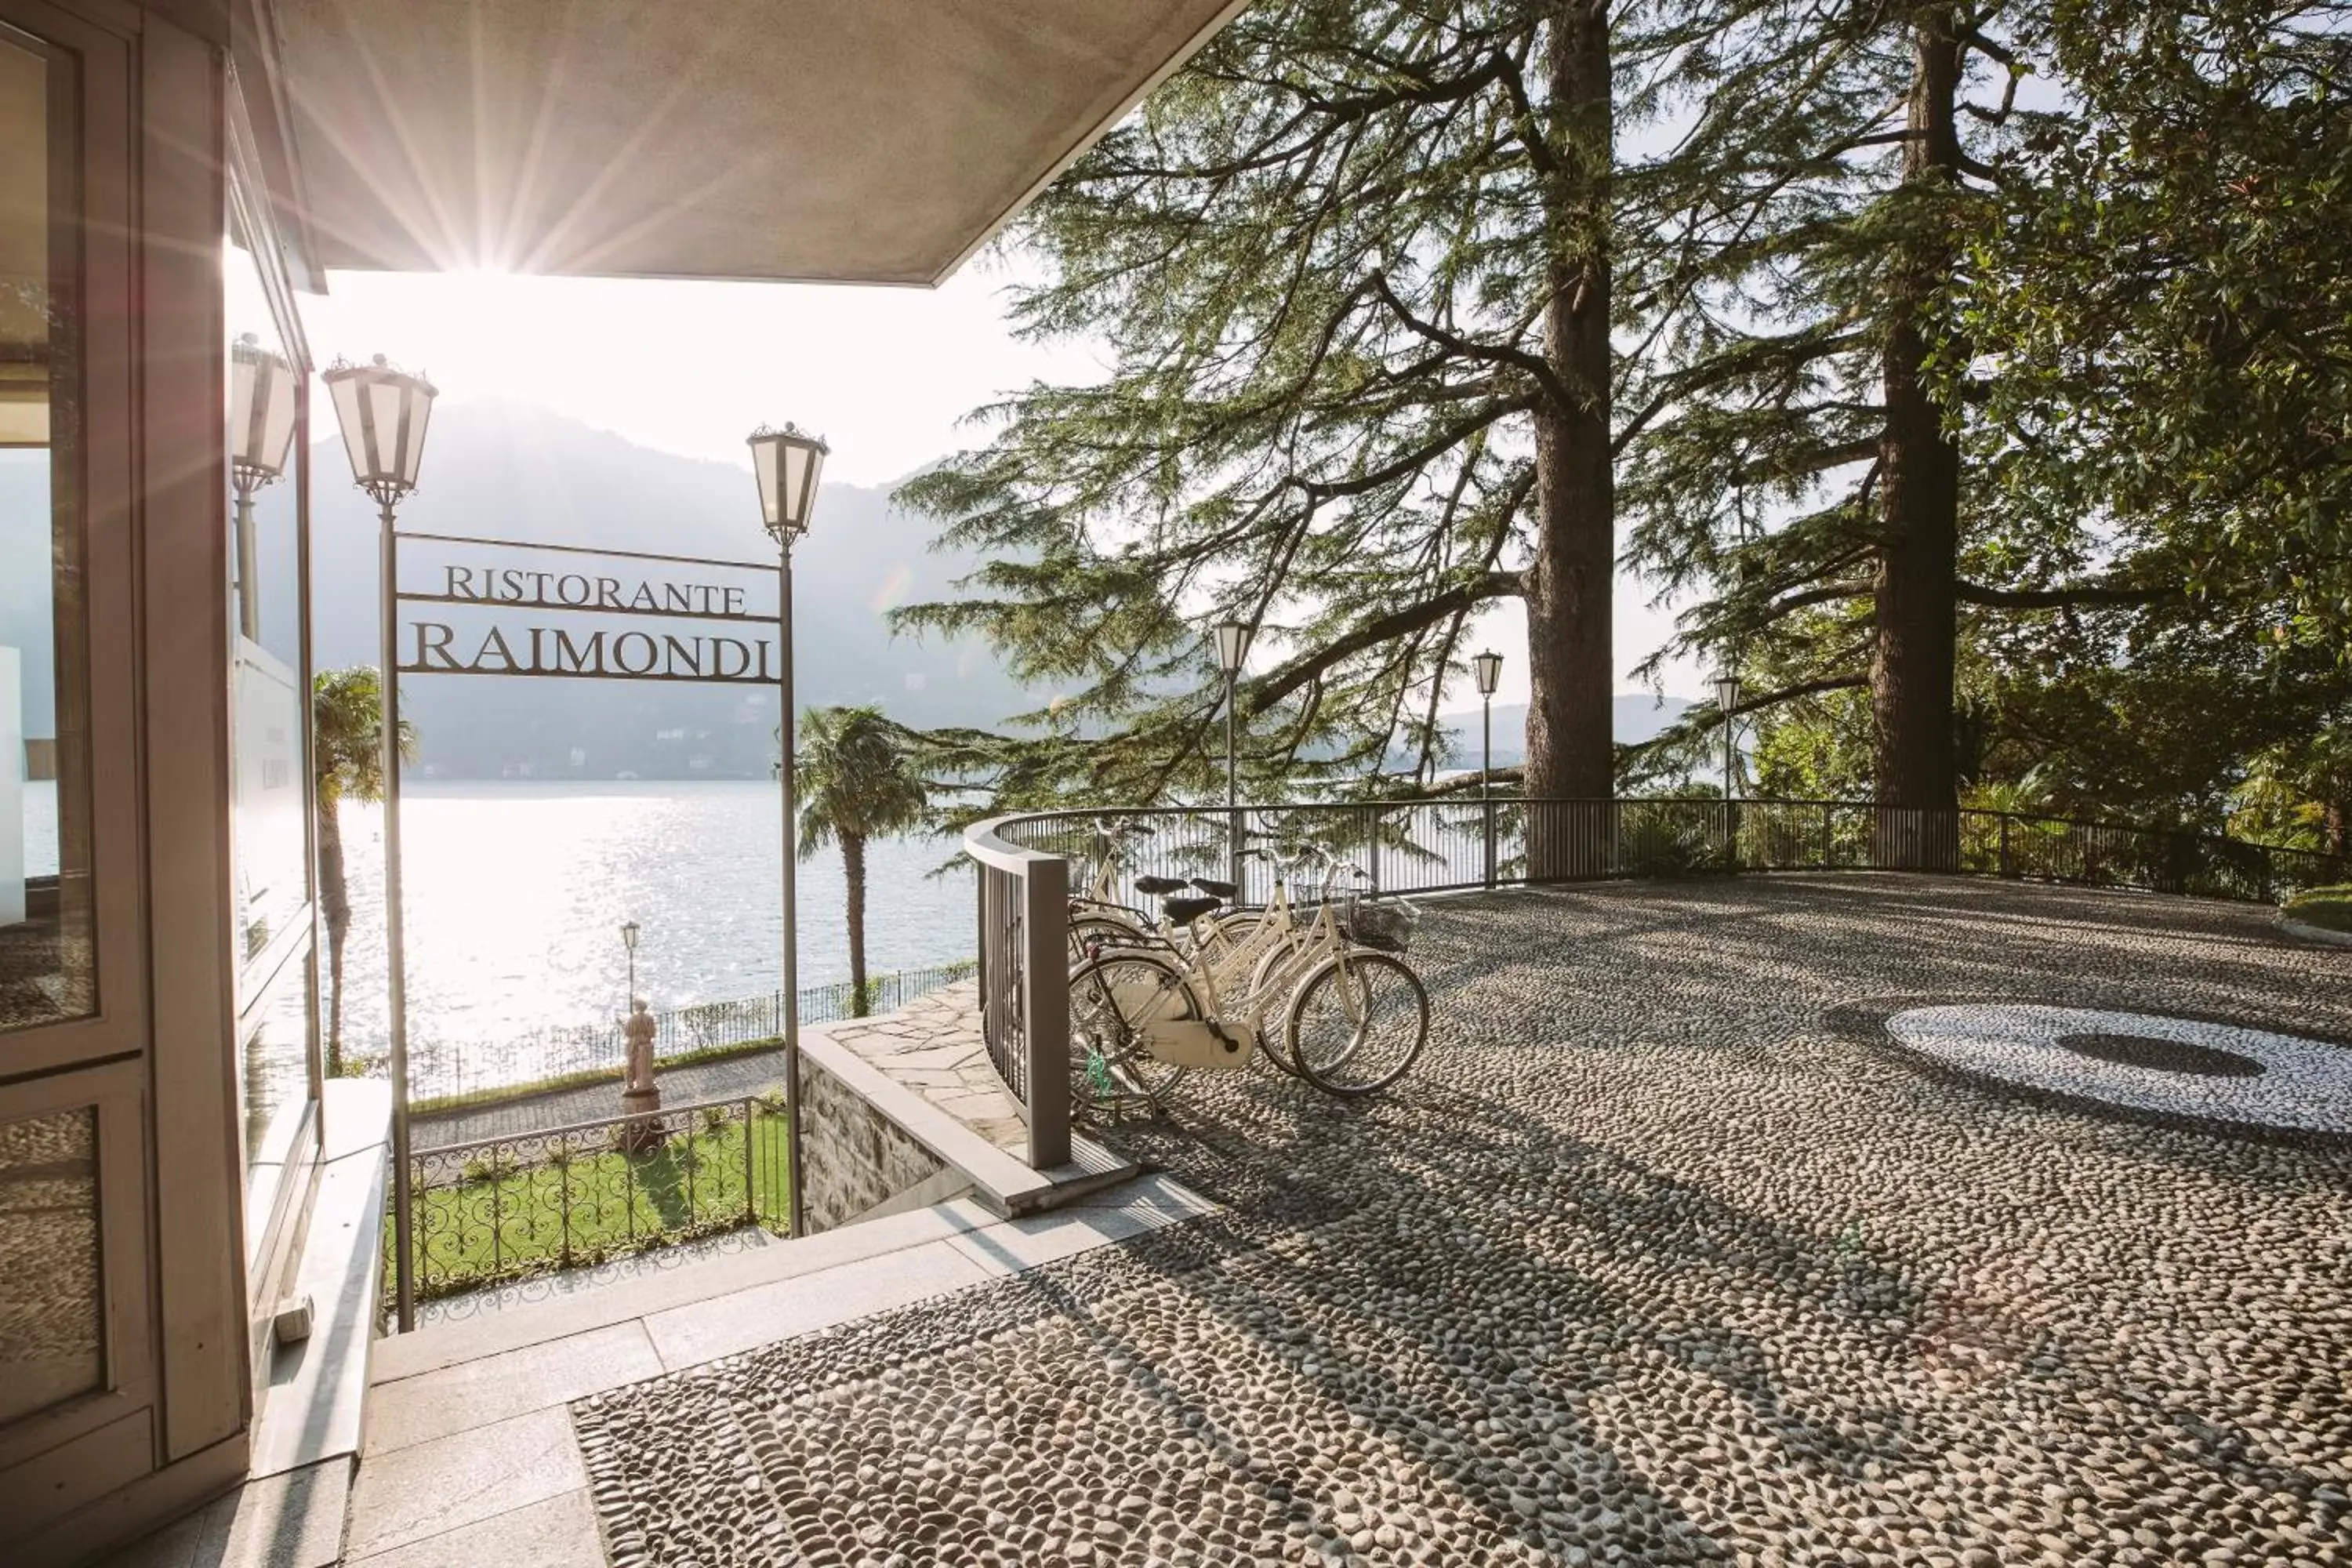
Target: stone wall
854,1160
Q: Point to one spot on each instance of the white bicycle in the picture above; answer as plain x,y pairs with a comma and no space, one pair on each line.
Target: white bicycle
1353,1015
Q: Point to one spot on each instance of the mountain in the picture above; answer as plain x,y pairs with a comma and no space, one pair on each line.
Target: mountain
499,469
1634,718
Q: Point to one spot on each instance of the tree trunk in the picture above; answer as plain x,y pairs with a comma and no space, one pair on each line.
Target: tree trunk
1570,745
852,868
335,906
1911,676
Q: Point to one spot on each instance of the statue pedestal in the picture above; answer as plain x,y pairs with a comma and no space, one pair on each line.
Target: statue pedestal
644,1133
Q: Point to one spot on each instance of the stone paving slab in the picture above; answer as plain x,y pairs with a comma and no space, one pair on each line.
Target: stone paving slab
1651,1261
933,1046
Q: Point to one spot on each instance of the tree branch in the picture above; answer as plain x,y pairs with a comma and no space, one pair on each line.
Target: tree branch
1535,365
1278,684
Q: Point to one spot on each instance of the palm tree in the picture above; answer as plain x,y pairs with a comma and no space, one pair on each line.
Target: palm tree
856,781
346,760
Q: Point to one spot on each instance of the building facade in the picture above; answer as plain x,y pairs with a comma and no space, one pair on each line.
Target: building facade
173,176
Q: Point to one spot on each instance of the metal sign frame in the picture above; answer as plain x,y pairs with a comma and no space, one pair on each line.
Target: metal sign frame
403,1197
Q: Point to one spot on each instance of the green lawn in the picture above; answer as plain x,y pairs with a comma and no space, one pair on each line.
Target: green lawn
570,1209
2329,908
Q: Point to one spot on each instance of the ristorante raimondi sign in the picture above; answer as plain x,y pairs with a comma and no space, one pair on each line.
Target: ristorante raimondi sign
498,608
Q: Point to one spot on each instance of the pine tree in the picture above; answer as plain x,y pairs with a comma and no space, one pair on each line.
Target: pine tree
1805,482
1362,268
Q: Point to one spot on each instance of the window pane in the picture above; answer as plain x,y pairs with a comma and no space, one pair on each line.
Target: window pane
52,1310
47,954
265,611
263,601
273,1088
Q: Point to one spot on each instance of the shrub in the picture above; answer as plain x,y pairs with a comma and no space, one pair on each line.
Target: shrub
2327,908
1667,840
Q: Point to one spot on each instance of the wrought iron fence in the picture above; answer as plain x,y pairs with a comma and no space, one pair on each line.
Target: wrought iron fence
446,1071
1439,846
533,1203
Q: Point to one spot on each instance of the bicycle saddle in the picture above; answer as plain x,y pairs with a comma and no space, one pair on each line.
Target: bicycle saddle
1183,911
1161,884
1214,889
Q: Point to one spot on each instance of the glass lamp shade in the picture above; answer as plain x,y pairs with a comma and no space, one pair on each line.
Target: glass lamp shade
629,935
1489,668
1726,692
260,410
787,464
1233,646
383,412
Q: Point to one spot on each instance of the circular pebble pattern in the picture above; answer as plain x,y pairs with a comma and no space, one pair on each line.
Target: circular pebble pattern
2211,1072
1653,1259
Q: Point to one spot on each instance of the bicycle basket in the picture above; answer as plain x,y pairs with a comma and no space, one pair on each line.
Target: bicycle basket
1388,926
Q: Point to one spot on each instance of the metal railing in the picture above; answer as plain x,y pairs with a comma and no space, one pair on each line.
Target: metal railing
569,1197
1024,982
1443,845
443,1072
1030,863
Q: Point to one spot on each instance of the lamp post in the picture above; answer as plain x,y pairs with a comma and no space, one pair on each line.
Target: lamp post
383,412
1727,702
1727,699
1233,647
640,1096
787,463
261,387
1488,668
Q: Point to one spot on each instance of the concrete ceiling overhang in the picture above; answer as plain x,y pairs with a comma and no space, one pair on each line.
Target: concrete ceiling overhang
854,141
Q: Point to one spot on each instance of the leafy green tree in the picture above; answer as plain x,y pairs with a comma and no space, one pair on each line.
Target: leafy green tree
856,781
346,763
2166,298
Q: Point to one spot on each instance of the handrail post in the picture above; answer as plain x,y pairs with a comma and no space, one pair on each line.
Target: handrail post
1045,1008
2004,845
1490,842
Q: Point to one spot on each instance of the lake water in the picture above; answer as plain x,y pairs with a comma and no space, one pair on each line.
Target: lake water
516,893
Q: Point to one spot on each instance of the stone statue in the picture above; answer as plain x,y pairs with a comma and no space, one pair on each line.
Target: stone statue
640,1097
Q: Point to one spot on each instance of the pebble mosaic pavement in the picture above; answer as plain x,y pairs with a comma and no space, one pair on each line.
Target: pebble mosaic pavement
1660,1257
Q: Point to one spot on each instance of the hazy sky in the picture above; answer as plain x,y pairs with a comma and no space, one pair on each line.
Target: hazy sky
886,374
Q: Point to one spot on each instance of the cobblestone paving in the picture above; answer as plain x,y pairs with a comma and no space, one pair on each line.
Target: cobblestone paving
1659,1258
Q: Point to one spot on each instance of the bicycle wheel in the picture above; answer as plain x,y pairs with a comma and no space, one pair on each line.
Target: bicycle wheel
1358,1022
1114,1000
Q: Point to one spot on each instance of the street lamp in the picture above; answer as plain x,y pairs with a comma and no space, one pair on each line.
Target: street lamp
629,941
786,463
261,396
1233,647
1488,668
383,412
1727,700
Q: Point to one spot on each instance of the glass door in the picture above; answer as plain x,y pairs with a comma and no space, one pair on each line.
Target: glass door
77,1366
